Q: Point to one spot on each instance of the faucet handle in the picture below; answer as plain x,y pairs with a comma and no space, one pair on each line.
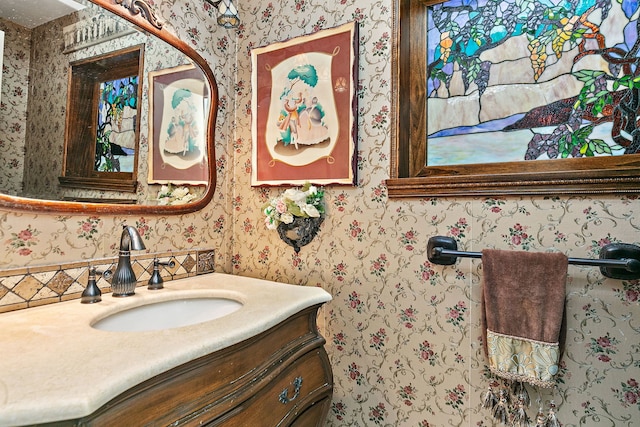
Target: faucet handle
94,273
156,280
92,292
157,262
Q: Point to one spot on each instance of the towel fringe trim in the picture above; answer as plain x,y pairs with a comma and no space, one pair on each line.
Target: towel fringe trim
522,359
522,378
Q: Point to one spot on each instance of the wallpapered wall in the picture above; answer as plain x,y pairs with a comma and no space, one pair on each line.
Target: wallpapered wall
15,69
403,335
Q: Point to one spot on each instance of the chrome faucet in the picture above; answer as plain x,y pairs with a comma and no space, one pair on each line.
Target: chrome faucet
123,283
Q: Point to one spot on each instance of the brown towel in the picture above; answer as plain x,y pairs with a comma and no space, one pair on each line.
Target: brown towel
523,308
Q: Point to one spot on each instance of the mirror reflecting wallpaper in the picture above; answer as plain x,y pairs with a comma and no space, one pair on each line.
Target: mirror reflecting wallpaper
34,96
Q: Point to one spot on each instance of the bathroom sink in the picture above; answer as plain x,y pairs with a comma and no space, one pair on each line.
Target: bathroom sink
167,314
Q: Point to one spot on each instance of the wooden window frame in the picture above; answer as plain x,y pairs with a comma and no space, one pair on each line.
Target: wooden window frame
85,77
409,175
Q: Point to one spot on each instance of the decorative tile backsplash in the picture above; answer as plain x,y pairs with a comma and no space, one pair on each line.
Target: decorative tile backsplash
205,261
34,286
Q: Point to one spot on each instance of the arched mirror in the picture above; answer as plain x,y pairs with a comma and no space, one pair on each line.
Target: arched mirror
109,111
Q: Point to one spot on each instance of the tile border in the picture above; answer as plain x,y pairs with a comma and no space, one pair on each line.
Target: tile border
49,284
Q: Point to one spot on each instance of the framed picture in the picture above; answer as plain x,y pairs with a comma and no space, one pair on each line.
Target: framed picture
178,100
497,98
303,109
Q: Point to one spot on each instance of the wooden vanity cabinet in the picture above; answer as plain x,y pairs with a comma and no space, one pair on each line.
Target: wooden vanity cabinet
281,377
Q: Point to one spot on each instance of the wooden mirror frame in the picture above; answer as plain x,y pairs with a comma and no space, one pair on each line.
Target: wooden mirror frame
409,175
139,13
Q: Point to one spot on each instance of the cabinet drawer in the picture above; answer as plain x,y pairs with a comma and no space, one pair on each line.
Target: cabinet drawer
314,415
307,382
241,385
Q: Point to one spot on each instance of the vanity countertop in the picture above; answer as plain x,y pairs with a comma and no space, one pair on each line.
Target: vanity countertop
55,366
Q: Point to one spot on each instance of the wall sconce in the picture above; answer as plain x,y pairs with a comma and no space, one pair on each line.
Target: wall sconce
227,13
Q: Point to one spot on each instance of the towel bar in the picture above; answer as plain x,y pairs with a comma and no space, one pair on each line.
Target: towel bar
617,260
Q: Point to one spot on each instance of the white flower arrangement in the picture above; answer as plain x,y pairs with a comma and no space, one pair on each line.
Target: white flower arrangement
169,195
307,202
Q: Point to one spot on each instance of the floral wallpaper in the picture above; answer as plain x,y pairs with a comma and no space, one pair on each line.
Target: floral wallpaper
13,105
403,335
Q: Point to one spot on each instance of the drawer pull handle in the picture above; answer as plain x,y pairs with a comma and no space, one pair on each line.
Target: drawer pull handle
284,395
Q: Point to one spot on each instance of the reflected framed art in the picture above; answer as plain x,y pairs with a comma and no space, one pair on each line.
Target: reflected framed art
178,100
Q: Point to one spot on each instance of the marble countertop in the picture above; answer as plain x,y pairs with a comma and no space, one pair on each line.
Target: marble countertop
54,366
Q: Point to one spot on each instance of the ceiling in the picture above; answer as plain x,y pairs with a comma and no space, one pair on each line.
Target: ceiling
32,13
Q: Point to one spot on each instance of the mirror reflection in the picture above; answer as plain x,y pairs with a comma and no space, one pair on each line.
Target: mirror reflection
53,142
117,106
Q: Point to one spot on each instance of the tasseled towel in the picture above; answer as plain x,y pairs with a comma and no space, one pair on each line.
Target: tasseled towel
523,307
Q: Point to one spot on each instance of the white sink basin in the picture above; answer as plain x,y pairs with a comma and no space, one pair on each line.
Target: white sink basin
168,314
